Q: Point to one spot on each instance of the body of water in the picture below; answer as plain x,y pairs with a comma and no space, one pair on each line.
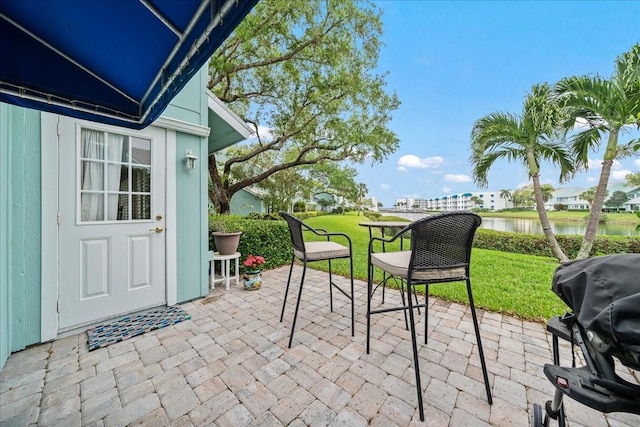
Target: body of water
532,226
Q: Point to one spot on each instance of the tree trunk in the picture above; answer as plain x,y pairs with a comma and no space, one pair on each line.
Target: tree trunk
596,211
217,192
598,199
544,221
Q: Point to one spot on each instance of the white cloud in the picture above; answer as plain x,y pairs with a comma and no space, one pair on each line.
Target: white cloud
402,169
265,133
385,186
446,190
619,175
413,161
457,178
592,179
595,163
637,162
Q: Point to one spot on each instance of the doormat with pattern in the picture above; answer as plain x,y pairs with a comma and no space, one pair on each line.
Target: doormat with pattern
131,326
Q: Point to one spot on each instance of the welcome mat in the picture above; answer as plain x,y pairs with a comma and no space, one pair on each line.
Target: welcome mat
131,326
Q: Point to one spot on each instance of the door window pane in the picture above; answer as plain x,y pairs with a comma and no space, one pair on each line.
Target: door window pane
115,177
140,151
92,206
141,206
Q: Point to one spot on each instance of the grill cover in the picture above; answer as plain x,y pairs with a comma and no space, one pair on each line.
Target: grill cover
604,294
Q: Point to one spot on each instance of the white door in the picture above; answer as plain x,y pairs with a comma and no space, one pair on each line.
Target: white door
111,221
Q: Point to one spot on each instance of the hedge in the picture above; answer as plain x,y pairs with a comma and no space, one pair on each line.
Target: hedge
264,237
271,240
536,244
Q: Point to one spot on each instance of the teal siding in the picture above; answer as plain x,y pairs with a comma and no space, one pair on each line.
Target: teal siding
190,105
191,219
243,203
20,185
5,330
191,192
21,216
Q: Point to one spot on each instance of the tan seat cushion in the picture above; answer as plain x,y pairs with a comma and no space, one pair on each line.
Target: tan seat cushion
317,251
397,264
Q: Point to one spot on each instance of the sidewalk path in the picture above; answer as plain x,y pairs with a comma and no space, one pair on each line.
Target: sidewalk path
230,366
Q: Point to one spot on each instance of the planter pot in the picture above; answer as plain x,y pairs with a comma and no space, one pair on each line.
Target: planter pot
252,280
226,243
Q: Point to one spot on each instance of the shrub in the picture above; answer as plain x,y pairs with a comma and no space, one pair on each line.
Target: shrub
299,206
536,244
267,238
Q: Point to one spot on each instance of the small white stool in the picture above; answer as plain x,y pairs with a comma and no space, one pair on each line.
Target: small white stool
225,268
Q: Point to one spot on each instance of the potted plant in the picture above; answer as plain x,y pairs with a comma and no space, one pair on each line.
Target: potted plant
225,239
252,272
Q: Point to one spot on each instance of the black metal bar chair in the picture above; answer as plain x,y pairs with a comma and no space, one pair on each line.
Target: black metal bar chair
440,252
316,251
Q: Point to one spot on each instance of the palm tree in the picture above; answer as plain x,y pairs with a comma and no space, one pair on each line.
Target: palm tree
589,195
547,192
606,106
362,190
505,193
525,196
477,201
527,139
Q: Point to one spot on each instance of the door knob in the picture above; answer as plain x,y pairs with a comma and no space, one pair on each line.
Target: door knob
157,229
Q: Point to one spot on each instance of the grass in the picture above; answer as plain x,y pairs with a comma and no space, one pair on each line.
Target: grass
514,284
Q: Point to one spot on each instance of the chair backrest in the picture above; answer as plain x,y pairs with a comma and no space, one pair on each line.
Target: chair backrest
295,230
443,240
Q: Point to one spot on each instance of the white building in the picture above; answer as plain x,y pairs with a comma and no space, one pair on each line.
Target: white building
570,197
404,204
470,200
370,203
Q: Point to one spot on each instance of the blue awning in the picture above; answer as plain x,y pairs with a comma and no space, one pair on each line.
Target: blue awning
117,62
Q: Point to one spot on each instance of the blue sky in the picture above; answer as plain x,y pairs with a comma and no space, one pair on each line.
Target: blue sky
453,62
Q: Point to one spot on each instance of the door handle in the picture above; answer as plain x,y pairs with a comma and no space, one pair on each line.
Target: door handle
157,229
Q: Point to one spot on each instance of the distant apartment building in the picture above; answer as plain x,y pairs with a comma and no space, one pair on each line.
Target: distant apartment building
571,198
470,200
370,203
457,202
405,204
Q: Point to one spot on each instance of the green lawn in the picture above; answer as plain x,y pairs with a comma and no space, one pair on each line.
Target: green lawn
502,282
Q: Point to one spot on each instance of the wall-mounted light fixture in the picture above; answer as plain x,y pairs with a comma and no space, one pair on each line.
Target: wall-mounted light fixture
190,160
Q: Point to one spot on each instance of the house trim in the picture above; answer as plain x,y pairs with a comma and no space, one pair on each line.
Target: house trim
49,268
49,248
181,126
171,261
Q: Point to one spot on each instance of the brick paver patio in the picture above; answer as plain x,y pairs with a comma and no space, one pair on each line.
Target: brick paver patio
230,366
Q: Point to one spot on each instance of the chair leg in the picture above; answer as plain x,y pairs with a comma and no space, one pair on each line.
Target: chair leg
404,303
295,316
384,284
369,287
286,292
353,297
330,288
477,331
416,362
426,310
